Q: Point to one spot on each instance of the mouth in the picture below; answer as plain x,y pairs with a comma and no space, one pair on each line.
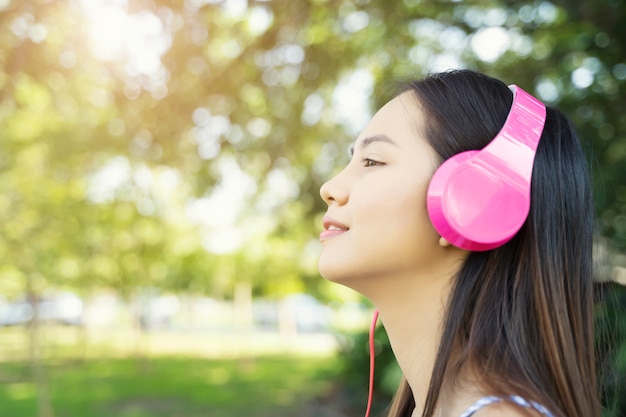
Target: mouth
332,228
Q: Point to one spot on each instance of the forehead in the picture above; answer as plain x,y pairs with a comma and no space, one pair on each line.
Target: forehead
400,119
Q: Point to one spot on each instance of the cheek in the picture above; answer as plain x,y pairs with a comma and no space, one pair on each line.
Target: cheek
414,224
402,221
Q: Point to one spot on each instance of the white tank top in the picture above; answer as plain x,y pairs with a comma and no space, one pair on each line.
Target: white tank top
516,399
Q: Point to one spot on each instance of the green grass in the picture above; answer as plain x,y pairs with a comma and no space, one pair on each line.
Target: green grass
171,387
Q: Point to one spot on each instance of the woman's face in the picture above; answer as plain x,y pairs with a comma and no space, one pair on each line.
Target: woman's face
377,223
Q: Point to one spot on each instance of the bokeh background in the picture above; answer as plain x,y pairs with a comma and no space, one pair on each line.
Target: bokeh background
160,163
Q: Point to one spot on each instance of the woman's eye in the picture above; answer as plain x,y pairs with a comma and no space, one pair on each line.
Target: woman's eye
367,162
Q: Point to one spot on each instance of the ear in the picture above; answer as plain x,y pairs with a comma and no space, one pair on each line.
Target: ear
443,242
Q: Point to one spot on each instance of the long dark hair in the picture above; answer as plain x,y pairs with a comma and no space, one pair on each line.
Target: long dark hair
519,316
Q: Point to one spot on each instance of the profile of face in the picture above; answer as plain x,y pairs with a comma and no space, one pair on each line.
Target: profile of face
377,223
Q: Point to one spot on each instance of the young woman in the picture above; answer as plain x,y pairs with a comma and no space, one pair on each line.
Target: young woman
503,329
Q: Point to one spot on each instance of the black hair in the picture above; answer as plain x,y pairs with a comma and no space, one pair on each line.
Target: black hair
519,316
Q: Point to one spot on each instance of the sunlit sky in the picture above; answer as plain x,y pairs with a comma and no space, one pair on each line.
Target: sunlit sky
138,39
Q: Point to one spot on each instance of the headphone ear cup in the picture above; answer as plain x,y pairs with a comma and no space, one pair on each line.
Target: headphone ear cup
474,205
478,200
435,197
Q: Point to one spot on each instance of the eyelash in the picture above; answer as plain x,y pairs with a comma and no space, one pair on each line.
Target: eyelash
368,162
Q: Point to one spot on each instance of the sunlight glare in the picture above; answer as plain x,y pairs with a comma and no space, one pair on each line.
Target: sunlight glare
109,34
140,39
219,212
259,20
105,183
351,100
490,43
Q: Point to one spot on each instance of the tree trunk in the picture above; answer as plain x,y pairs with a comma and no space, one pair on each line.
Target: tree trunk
243,316
40,377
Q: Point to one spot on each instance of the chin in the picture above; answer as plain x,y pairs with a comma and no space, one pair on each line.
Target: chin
345,275
333,272
337,265
329,272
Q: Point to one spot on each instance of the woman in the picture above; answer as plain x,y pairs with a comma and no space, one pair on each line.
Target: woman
504,331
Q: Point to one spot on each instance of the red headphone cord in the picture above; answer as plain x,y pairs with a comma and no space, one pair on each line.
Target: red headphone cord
372,362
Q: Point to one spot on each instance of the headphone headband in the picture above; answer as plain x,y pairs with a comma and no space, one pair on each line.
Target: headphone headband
517,141
478,200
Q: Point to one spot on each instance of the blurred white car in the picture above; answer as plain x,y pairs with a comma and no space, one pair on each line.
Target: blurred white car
303,311
310,314
64,307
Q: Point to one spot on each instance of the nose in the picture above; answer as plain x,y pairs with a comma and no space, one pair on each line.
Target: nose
333,192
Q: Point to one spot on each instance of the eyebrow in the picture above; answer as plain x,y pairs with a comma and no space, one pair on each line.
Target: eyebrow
371,139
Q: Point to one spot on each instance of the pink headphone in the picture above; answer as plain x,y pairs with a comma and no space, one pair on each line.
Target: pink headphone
478,200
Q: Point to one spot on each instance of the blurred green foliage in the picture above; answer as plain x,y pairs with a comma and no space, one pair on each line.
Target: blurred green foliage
611,347
121,118
354,368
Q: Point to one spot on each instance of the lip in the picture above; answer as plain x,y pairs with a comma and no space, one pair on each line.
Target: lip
328,234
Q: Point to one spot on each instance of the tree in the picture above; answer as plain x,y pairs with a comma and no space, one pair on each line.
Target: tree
245,108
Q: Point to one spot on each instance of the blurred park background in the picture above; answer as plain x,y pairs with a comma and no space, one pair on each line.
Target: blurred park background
160,162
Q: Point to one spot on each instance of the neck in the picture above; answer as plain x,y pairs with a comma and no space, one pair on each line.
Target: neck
412,310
